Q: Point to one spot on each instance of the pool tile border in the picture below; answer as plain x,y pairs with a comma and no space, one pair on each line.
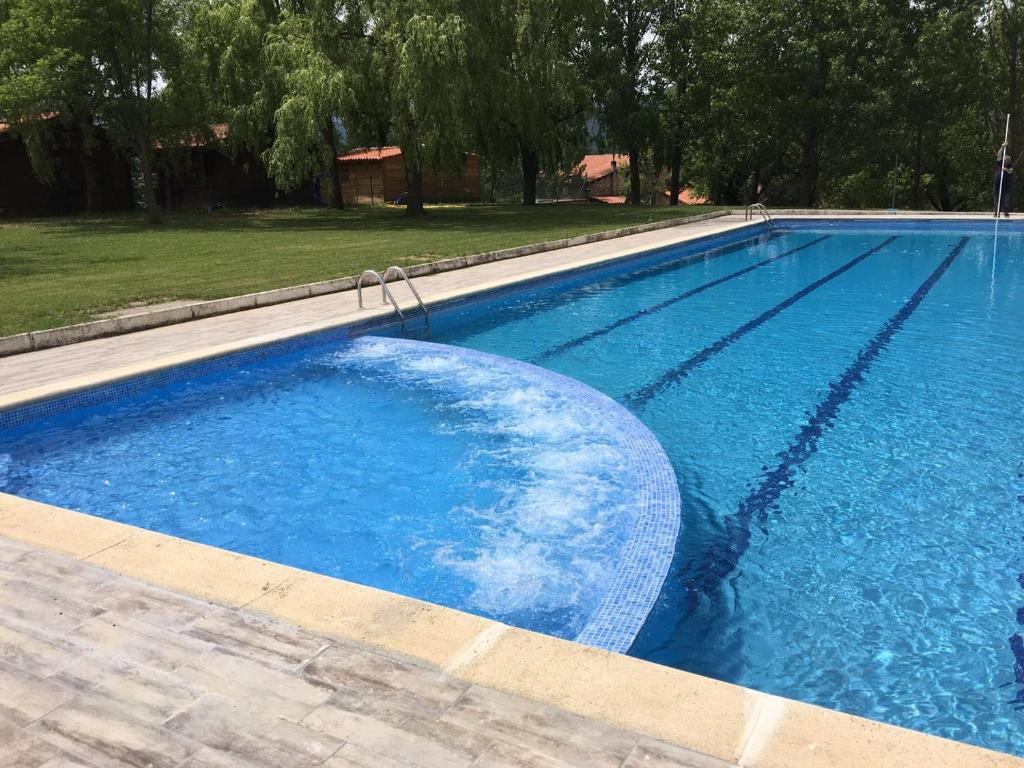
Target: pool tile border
647,552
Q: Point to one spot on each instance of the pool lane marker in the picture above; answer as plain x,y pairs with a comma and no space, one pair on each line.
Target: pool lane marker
572,343
721,559
643,395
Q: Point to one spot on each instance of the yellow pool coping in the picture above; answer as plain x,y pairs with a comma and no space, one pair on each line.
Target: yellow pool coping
729,722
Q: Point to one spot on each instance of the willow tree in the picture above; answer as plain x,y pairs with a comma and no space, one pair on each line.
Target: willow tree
530,98
309,49
275,71
47,76
620,54
423,43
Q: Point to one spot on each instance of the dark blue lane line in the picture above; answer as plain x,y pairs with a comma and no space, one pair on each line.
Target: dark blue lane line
721,559
641,396
554,351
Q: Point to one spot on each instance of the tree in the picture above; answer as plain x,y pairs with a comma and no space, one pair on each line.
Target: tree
423,43
620,57
686,44
46,77
1005,33
309,50
135,47
275,71
529,97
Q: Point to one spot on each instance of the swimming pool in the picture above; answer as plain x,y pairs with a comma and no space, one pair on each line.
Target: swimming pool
844,406
841,404
445,474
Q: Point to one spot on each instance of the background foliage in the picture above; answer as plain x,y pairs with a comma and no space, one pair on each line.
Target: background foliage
797,102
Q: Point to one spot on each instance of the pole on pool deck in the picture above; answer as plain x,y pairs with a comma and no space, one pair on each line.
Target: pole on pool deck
1002,177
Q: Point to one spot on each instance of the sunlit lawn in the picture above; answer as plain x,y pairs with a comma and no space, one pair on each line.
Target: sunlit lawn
59,271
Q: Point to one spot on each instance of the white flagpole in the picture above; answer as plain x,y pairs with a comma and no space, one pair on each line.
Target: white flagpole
1002,177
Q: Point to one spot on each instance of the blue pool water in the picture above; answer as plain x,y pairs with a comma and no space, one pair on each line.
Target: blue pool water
842,403
438,473
844,409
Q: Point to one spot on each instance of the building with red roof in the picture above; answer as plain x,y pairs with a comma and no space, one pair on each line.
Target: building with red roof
377,174
604,185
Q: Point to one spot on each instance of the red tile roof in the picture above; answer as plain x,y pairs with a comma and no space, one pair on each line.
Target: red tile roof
5,126
595,167
687,197
369,154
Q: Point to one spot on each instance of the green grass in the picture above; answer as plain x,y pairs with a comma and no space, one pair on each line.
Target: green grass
56,272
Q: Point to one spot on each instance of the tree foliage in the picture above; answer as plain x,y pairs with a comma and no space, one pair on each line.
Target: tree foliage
803,102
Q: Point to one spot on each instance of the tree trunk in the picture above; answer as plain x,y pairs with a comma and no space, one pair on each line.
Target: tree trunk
88,163
915,193
414,195
531,168
809,170
634,176
146,163
335,169
677,161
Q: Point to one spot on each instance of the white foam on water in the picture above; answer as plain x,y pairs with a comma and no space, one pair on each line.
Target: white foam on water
552,542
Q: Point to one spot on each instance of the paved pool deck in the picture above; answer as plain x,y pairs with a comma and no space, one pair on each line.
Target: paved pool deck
124,647
100,670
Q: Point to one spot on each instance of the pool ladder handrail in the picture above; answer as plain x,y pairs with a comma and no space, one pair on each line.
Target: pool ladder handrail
759,208
386,296
412,288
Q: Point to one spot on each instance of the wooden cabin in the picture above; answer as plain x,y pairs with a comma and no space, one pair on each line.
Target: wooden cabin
374,176
201,176
23,194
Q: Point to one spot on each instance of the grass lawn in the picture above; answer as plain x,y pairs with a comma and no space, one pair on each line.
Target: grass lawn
59,271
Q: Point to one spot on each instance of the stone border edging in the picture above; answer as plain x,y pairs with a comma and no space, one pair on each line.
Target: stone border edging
95,329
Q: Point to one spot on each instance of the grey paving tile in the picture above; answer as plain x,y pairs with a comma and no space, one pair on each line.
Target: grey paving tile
64,760
245,680
149,694
505,755
91,669
654,754
148,644
251,733
258,638
71,579
547,730
25,696
215,758
408,684
39,604
390,741
20,749
35,648
11,551
354,756
153,605
100,733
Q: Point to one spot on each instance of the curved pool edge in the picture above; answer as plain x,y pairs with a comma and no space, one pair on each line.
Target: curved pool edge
647,552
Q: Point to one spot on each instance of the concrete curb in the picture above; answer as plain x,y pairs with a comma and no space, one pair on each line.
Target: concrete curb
96,329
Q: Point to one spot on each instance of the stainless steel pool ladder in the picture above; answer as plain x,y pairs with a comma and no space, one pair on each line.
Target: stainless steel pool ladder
385,293
759,208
